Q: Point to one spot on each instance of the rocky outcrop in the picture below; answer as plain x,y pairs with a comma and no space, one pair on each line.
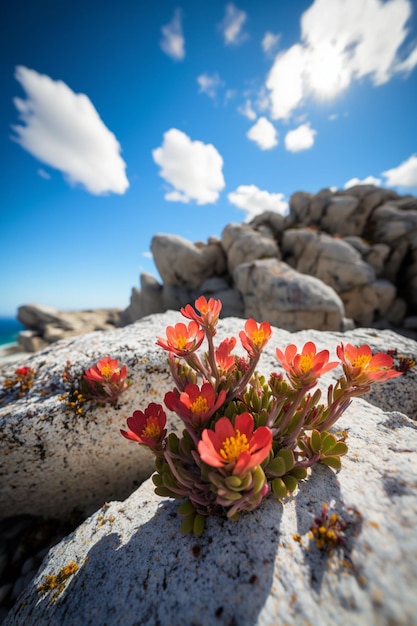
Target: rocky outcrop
54,461
129,564
360,243
46,324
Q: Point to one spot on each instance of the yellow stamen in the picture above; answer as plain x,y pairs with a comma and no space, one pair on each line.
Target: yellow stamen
199,405
181,342
361,361
233,446
258,337
107,371
306,362
151,430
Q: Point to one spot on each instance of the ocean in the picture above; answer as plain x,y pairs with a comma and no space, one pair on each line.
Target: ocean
9,329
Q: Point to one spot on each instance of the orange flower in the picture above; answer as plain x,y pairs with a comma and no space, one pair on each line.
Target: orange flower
194,405
181,340
304,369
254,338
209,312
224,359
237,447
362,368
106,370
147,428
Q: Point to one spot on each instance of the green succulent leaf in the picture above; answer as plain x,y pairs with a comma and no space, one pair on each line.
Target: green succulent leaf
290,482
328,442
279,488
340,449
187,524
157,480
186,508
299,472
163,491
332,461
198,525
277,467
316,441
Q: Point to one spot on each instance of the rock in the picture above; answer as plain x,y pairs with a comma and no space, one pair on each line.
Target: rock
133,566
273,291
30,341
242,244
332,260
146,301
349,239
54,462
47,324
367,303
182,263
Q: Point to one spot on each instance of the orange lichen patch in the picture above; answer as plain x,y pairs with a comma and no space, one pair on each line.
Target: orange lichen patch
374,524
297,538
57,581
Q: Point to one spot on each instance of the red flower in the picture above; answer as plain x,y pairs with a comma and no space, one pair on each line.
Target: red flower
237,447
224,359
362,368
209,312
254,338
24,371
194,405
304,369
181,340
147,428
107,370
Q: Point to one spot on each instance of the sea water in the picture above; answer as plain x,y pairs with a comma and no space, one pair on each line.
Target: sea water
9,329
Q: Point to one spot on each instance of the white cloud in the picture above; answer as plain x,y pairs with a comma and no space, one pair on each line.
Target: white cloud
63,130
194,169
232,25
369,180
301,138
254,201
264,134
44,174
172,42
270,42
210,84
285,82
357,38
247,110
405,175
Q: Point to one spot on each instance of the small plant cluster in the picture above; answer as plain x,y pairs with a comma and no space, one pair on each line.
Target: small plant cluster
244,436
22,380
402,363
328,530
101,384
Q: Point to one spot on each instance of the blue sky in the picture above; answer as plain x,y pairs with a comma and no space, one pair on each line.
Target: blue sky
123,119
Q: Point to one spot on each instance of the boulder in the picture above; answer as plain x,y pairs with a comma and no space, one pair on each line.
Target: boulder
332,260
47,324
54,461
242,244
273,291
182,263
129,564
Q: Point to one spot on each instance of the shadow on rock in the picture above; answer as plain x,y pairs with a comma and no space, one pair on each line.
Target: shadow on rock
160,577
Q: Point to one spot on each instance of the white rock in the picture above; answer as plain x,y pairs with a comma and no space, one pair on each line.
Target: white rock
52,461
136,568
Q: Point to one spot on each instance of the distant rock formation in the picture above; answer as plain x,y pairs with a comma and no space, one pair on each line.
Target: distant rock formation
45,324
339,259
